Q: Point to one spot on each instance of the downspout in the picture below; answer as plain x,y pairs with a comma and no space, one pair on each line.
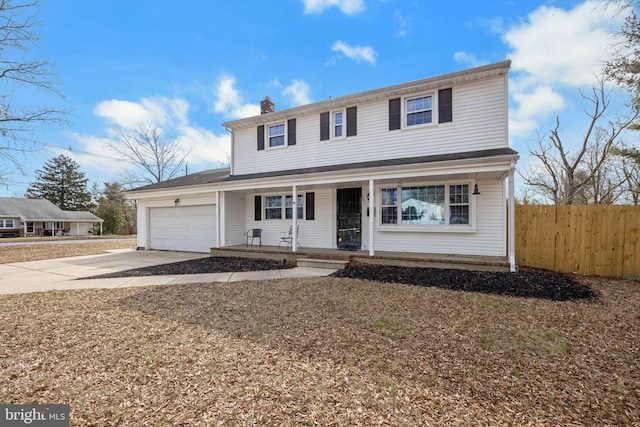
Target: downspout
217,218
512,219
372,221
294,215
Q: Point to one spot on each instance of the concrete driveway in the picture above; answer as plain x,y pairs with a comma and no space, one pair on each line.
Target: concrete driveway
63,273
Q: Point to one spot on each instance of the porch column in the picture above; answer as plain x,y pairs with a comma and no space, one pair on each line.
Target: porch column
294,230
77,229
217,219
24,225
512,219
101,228
372,220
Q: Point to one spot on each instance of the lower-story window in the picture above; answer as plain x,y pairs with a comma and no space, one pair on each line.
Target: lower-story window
6,223
434,204
289,207
29,227
273,207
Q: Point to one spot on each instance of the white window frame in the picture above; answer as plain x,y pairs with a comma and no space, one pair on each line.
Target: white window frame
268,136
283,206
4,223
343,124
445,227
299,206
272,208
405,112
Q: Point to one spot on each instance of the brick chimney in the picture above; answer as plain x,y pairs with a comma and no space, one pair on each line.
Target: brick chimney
266,106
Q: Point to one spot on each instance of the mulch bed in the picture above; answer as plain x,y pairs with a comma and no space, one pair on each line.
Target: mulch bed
528,283
202,266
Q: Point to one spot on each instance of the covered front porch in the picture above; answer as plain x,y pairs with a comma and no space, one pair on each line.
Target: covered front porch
406,259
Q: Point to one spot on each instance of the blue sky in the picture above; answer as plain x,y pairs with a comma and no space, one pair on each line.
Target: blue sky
189,66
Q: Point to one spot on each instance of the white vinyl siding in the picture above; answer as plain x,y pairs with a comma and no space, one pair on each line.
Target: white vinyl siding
317,233
234,219
479,123
489,237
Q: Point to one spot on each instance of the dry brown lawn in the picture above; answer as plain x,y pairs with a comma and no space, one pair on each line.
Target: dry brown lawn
50,249
324,351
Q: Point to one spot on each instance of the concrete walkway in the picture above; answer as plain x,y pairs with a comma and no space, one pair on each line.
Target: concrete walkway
69,273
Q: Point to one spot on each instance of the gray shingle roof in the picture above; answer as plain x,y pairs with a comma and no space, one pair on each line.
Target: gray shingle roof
220,176
38,209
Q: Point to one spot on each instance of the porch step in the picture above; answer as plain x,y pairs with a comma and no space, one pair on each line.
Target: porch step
322,263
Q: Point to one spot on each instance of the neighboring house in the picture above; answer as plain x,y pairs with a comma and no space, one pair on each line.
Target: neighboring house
417,167
37,217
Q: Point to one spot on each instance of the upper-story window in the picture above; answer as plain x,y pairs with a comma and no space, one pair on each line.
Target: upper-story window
419,110
276,135
337,124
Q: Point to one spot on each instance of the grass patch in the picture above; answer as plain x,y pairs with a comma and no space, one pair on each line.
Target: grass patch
37,252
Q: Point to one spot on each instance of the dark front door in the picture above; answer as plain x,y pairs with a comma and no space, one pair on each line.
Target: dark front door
349,218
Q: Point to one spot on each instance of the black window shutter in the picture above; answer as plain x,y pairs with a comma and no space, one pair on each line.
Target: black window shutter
394,114
324,126
310,202
291,132
261,137
445,106
352,121
257,208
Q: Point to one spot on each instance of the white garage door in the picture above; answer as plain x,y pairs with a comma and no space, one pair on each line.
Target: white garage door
183,228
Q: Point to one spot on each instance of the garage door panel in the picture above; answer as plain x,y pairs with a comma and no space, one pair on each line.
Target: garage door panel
183,228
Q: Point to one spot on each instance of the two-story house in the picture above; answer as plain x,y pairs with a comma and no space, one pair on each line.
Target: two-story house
419,167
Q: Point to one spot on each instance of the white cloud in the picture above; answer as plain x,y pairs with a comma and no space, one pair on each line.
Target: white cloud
554,49
130,115
399,19
468,59
298,91
558,46
207,150
123,113
348,7
357,53
532,105
229,101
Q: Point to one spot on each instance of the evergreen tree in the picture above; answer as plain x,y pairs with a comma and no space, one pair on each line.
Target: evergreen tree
62,183
113,209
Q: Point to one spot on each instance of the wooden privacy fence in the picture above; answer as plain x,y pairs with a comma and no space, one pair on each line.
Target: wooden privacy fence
603,240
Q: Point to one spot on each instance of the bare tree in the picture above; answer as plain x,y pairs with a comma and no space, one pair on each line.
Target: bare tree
158,158
580,173
18,72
